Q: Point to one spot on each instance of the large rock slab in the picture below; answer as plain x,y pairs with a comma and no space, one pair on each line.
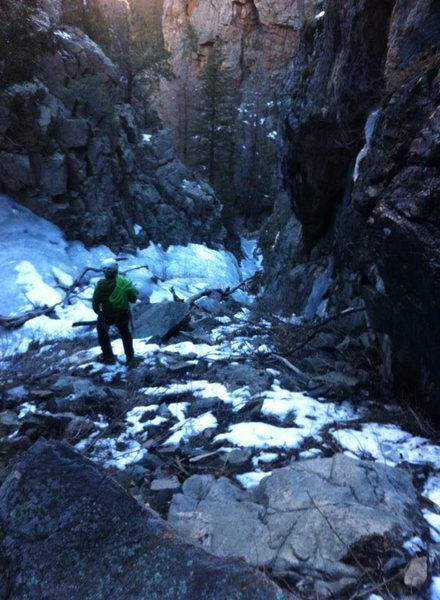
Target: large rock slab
67,530
161,319
304,517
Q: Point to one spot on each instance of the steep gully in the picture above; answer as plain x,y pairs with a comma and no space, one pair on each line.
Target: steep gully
333,64
370,236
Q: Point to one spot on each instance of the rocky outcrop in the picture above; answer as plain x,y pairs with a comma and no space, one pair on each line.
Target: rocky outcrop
381,225
73,152
392,229
257,37
305,517
68,530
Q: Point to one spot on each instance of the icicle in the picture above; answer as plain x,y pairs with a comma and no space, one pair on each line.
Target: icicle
314,303
369,130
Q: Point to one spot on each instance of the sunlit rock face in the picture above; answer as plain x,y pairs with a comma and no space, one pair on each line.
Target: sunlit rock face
73,152
257,40
382,227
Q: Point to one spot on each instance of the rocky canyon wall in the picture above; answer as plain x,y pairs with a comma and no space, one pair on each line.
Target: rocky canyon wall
72,151
257,40
379,223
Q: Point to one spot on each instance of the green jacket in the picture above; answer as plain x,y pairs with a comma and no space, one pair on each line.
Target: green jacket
113,295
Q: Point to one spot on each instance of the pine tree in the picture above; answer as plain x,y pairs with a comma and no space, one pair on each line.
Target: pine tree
21,43
214,128
129,33
255,180
136,43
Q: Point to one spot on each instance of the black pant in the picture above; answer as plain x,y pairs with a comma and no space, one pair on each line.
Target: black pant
122,322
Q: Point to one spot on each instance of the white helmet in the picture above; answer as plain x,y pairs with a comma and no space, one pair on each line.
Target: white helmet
109,266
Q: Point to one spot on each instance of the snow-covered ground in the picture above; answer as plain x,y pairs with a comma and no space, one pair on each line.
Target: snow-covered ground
38,267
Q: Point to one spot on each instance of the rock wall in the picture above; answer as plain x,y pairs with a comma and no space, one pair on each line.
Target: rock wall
257,40
381,228
257,37
73,152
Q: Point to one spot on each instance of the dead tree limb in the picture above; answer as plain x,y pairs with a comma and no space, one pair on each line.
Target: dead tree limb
16,321
288,364
224,293
317,328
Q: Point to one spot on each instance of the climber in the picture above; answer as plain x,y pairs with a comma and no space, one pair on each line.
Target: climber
111,300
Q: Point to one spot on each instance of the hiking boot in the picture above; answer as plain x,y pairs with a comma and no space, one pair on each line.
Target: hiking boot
133,362
110,360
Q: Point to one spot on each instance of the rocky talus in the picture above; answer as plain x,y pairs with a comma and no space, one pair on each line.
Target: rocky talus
295,469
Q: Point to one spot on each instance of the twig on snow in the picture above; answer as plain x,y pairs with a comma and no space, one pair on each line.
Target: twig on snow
319,325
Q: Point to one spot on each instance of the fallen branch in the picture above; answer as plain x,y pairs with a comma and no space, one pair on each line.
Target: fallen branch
16,321
83,323
317,328
224,293
288,364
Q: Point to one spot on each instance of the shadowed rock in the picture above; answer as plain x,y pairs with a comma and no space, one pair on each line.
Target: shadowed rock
70,531
159,320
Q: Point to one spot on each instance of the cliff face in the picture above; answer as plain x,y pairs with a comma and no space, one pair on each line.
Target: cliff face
73,152
257,37
257,40
393,221
381,226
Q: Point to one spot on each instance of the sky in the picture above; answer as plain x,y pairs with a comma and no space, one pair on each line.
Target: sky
38,265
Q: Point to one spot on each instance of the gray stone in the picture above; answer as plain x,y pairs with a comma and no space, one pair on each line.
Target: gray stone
15,172
202,405
339,380
9,418
242,375
80,387
165,483
238,457
72,133
83,388
151,461
324,341
303,517
66,526
64,385
53,178
78,428
18,391
161,319
79,395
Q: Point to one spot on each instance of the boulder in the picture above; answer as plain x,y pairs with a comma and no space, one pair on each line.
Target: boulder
67,530
72,133
53,179
161,319
304,517
15,172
